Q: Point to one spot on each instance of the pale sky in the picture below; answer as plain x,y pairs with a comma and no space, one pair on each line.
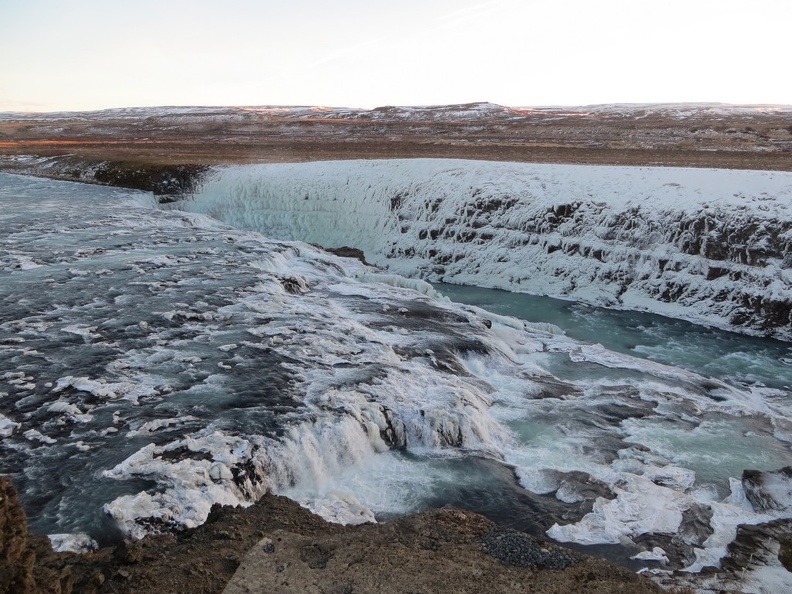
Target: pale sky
94,54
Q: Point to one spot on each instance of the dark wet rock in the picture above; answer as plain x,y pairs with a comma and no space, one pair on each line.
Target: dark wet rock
169,182
614,413
426,311
294,285
680,548
759,545
554,388
578,487
182,453
395,432
768,490
785,552
695,527
348,252
165,181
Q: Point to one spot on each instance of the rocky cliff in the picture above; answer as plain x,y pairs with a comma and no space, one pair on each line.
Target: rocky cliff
276,545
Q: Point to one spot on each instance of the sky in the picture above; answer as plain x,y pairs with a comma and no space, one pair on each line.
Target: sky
95,54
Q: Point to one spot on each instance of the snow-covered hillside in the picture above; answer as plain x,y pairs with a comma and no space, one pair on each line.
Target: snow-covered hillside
477,111
712,246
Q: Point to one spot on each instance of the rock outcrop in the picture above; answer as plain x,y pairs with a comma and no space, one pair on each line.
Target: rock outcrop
276,545
22,554
16,557
768,490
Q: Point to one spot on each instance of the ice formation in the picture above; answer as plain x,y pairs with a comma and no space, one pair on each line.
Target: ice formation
712,246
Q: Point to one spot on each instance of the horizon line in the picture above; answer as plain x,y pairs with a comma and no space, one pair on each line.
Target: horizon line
699,104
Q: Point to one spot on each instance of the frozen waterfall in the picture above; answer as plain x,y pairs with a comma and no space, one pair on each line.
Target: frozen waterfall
711,246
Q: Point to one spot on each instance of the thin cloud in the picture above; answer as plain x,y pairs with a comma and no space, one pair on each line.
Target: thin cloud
469,13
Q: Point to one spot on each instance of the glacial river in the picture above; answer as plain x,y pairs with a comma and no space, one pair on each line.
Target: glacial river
155,362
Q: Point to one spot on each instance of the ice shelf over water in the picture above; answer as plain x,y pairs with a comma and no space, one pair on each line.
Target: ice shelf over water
154,362
711,246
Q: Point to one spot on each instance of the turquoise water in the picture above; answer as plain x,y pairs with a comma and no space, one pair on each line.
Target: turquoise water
730,357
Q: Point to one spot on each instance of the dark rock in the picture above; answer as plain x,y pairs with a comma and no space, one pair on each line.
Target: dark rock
165,181
348,252
128,552
768,490
714,272
680,548
316,555
758,545
517,548
294,285
695,527
577,486
21,553
555,388
17,560
785,552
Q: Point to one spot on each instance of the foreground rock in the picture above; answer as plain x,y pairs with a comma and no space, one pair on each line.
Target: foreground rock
278,546
438,551
24,557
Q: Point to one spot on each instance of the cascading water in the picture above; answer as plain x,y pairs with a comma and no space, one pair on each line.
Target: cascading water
711,246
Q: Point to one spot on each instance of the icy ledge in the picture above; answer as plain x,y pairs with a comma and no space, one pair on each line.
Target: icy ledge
711,246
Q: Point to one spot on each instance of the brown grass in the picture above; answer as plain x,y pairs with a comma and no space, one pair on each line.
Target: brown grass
758,141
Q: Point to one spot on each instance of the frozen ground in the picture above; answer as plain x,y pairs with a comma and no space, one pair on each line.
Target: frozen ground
697,135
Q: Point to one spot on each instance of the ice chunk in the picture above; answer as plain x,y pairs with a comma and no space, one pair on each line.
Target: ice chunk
72,543
7,426
656,554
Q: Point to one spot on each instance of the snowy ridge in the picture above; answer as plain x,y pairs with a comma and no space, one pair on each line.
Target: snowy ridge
684,110
711,246
476,111
425,113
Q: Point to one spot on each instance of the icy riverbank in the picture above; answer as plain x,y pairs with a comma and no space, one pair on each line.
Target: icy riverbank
710,246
